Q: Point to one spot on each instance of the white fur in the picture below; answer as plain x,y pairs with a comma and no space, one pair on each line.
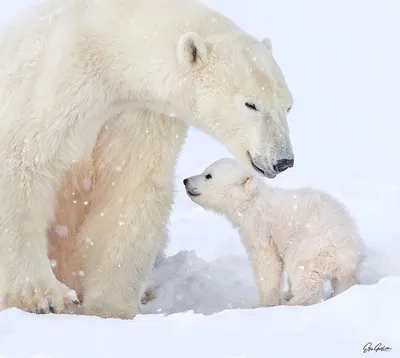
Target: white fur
161,256
267,42
304,231
88,92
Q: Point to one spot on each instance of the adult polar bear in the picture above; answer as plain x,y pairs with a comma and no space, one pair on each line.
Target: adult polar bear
88,90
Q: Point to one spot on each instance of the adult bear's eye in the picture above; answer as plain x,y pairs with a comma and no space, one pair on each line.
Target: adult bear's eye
289,109
251,106
208,176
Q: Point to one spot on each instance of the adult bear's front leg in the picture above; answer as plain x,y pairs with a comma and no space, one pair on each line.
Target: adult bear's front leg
134,165
26,277
120,246
29,177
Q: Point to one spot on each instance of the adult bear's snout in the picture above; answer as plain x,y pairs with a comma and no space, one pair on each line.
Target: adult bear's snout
283,164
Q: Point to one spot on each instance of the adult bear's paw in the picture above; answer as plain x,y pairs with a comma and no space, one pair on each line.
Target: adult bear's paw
38,294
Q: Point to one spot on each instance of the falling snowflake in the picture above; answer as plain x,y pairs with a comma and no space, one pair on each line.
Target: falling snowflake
62,230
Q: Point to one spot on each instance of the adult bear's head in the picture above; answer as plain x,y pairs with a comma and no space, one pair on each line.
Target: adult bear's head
239,95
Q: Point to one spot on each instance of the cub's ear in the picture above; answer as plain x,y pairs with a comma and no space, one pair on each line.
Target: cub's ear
247,180
249,183
267,43
192,50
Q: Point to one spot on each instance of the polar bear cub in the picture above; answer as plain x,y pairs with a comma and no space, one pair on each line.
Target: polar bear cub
304,231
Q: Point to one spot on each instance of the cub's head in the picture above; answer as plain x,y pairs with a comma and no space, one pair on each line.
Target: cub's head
224,185
239,96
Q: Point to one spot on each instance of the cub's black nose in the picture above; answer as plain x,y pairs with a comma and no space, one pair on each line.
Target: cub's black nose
283,164
185,181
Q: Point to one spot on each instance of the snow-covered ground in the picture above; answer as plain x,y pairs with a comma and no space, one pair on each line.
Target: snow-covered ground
341,59
339,327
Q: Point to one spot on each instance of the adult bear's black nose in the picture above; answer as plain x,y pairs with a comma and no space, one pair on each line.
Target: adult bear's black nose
283,164
185,181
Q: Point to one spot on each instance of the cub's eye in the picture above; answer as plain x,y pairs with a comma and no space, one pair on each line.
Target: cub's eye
208,176
289,109
251,106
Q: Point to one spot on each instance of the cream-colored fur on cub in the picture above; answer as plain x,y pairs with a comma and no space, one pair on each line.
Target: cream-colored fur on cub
304,231
95,101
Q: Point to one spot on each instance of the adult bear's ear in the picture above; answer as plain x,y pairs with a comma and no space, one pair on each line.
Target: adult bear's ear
267,43
192,50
